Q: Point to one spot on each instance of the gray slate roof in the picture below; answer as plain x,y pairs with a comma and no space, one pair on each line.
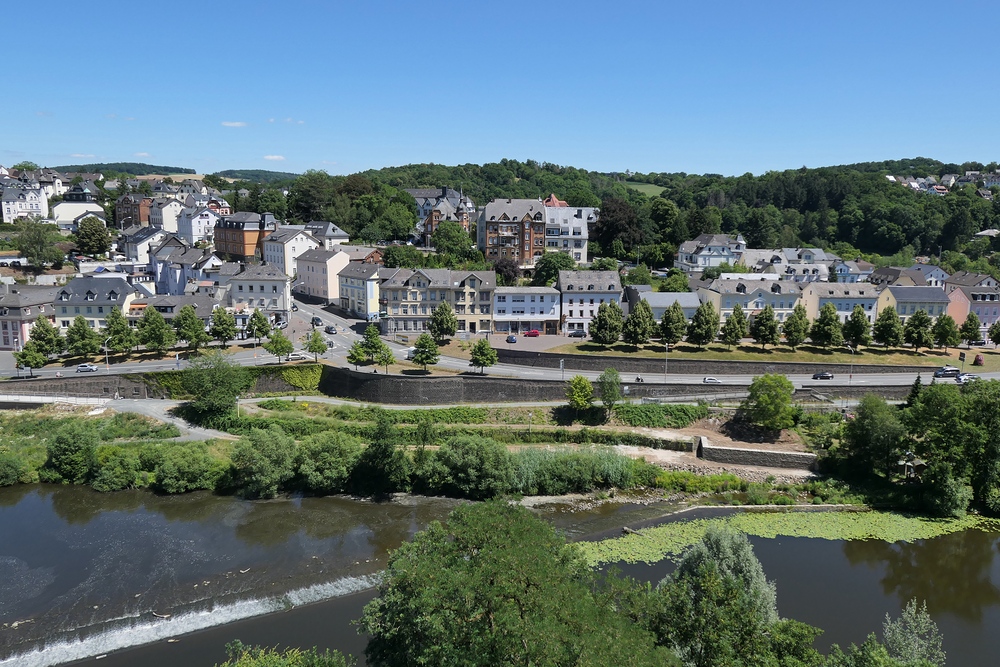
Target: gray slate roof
920,294
593,281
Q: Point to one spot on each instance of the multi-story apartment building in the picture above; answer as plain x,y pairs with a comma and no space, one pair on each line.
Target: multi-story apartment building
283,247
93,297
512,228
907,300
163,213
327,233
20,306
709,250
409,296
239,236
582,293
317,271
518,309
359,288
844,297
132,210
567,228
260,287
428,198
440,213
21,200
753,293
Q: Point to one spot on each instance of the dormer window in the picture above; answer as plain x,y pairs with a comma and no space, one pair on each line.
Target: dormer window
64,296
90,296
741,289
611,288
569,288
113,295
590,287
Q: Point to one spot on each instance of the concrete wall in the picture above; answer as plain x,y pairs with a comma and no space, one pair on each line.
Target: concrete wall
755,457
653,366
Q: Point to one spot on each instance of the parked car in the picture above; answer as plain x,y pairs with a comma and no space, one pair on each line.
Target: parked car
965,378
87,368
979,343
280,325
946,372
295,307
410,351
317,321
534,333
711,380
577,333
330,329
298,356
823,375
512,338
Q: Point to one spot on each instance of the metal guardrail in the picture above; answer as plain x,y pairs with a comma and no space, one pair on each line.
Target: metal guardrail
47,398
687,398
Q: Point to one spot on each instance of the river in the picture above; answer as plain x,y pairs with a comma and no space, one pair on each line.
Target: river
82,574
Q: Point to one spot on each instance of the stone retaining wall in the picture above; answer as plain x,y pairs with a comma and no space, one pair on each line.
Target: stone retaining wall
654,366
755,457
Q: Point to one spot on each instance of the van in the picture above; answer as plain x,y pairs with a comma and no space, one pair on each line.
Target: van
946,372
410,351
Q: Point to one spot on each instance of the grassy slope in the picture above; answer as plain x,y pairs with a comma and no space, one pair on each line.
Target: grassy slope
646,188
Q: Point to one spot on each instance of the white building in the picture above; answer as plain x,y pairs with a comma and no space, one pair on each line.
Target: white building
67,214
164,213
360,289
135,242
196,225
262,287
583,292
283,247
843,296
20,201
329,234
520,309
567,228
318,271
709,250
752,294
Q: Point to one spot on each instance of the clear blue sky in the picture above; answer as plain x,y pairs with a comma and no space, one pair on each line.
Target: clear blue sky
725,87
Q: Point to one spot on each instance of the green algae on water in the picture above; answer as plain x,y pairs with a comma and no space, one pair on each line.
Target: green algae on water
670,540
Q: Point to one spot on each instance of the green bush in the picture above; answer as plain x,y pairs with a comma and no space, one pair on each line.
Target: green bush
263,462
12,469
689,482
477,468
659,416
758,494
115,468
281,405
305,376
326,460
70,453
557,472
129,425
182,468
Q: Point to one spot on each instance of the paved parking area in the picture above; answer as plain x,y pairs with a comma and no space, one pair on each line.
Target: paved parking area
539,344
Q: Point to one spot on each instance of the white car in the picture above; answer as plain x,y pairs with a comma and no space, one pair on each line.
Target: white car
87,368
965,378
280,325
298,356
711,380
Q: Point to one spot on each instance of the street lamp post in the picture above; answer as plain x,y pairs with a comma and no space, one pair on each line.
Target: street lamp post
666,353
850,376
107,364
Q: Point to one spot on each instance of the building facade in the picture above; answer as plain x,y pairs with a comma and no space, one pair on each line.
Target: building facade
318,274
582,293
520,309
240,237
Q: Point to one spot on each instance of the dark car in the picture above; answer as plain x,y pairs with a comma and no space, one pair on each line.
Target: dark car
824,375
330,329
512,338
317,321
947,372
577,333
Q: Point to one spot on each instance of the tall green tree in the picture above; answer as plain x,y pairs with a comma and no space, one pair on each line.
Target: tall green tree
315,345
46,338
676,281
857,328
384,357
639,325
888,330
994,333
278,344
673,325
357,354
426,352
874,440
371,342
36,241
383,467
945,332
215,381
121,337
548,266
606,327
546,614
917,330
914,637
827,330
257,326
609,384
796,327
443,321
970,329
450,238
579,393
81,340
92,237
190,328
736,327
483,355
263,462
223,328
765,329
30,357
154,332
769,402
704,326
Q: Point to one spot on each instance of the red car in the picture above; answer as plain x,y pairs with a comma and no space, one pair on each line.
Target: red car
531,334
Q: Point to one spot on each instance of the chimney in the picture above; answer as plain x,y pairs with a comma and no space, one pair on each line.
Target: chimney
444,191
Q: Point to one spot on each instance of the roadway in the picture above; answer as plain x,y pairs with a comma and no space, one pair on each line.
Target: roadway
350,330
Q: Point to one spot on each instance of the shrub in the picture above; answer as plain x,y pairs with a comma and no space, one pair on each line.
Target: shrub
689,482
12,469
129,425
305,377
758,494
325,461
115,468
183,468
477,468
280,405
557,472
262,462
70,453
659,416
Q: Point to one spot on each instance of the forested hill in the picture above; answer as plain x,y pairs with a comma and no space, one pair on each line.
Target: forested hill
262,176
131,168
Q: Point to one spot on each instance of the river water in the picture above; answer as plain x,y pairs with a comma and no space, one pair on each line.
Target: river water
85,574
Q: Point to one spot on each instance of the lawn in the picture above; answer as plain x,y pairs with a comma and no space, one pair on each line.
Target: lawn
804,354
647,189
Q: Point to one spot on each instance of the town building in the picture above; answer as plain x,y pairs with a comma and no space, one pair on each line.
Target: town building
20,307
240,236
753,293
520,309
180,268
659,302
318,272
93,297
169,305
907,300
283,247
164,212
512,229
582,293
132,209
896,276
982,300
409,296
567,228
197,225
851,271
135,242
21,200
262,287
428,198
709,250
359,289
442,212
844,297
327,233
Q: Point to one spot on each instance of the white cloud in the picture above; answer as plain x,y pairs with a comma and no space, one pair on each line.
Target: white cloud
141,154
111,116
300,122
274,158
233,123
270,120
289,120
82,155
